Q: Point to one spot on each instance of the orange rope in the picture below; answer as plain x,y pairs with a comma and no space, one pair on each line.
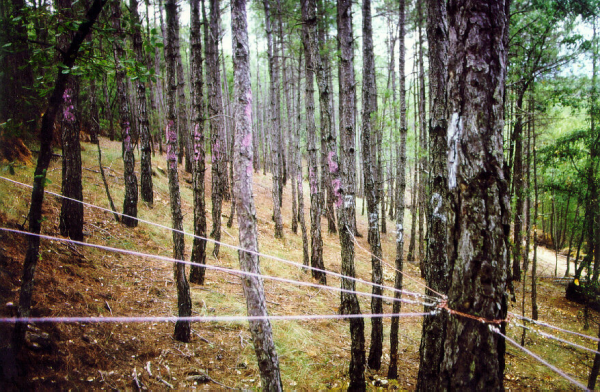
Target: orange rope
444,305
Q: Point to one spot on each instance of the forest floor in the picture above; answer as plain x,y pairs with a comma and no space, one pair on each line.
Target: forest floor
314,354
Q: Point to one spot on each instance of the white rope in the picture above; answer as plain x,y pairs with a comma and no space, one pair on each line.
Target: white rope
216,268
393,289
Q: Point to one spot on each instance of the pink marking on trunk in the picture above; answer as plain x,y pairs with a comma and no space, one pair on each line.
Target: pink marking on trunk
249,169
333,166
196,143
247,142
336,184
68,115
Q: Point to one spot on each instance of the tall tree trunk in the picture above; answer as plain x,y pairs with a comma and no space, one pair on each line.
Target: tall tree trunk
439,249
534,305
215,113
39,178
71,212
275,130
262,335
199,166
369,111
422,145
473,352
131,189
299,176
592,207
400,193
142,112
344,186
308,38
517,182
184,301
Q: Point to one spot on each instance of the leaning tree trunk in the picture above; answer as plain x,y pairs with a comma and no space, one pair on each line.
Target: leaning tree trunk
215,113
39,178
142,115
275,131
131,190
262,335
369,102
198,163
400,190
479,198
344,185
71,212
184,301
308,30
436,267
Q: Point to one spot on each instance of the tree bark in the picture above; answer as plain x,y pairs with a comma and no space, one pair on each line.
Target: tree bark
198,164
344,187
39,179
71,212
142,112
184,301
262,335
299,175
275,130
308,38
131,190
479,197
369,112
439,215
215,113
400,193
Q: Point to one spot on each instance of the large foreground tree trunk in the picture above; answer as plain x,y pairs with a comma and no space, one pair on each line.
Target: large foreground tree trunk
71,211
473,355
262,335
184,301
344,185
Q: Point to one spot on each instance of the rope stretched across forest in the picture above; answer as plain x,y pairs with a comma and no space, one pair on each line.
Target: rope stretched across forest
332,273
204,319
217,268
538,358
436,304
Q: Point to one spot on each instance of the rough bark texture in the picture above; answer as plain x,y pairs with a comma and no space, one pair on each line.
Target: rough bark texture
39,179
184,301
142,112
518,186
344,179
198,164
400,192
299,175
275,131
262,335
478,263
436,266
215,113
131,189
71,212
422,145
369,112
308,36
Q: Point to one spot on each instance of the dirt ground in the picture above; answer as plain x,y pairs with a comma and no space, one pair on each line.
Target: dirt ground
314,355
